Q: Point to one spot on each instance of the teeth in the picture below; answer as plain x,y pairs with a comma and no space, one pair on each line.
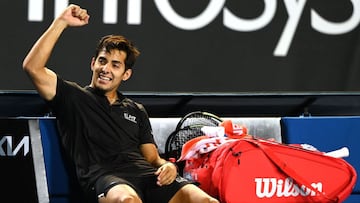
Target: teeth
104,78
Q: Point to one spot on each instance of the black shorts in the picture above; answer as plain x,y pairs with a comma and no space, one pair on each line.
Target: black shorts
146,187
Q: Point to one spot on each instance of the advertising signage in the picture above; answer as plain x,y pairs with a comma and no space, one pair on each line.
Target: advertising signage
16,159
199,46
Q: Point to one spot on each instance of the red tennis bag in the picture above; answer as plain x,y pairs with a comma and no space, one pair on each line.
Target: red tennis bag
255,170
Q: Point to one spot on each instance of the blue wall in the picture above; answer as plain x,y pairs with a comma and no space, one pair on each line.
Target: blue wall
327,134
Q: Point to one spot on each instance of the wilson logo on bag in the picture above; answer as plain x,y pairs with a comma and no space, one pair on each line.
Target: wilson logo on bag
275,187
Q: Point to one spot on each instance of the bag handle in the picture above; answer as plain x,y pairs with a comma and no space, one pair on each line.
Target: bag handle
289,171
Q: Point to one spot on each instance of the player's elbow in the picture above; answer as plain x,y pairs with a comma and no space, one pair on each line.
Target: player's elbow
31,68
26,65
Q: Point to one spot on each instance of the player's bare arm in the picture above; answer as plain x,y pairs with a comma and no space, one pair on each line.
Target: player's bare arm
35,62
166,172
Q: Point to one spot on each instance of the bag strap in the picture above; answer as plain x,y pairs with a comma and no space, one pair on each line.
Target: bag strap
290,171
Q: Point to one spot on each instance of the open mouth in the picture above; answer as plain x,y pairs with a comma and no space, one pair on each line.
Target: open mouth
104,78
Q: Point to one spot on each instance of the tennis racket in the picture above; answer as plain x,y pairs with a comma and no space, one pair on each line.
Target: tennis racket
199,118
188,128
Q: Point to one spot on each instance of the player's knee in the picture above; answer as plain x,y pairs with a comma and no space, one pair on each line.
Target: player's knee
122,199
130,199
213,200
210,200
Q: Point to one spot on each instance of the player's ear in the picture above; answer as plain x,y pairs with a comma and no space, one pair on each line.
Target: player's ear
127,74
92,63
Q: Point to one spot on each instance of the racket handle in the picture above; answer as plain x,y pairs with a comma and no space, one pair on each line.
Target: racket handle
340,153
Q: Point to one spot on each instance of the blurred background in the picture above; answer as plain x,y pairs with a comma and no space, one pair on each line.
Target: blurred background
198,46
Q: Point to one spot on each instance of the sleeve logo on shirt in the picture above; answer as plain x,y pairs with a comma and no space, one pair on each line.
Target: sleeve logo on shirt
129,117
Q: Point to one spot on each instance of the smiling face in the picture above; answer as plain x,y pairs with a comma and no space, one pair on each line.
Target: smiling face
109,71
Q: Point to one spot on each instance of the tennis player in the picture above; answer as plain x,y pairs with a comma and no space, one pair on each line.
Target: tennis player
107,135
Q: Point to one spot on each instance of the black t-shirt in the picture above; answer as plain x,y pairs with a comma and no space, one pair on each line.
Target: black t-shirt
101,138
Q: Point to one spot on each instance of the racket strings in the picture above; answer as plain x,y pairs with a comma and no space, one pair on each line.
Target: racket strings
180,138
189,127
199,121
